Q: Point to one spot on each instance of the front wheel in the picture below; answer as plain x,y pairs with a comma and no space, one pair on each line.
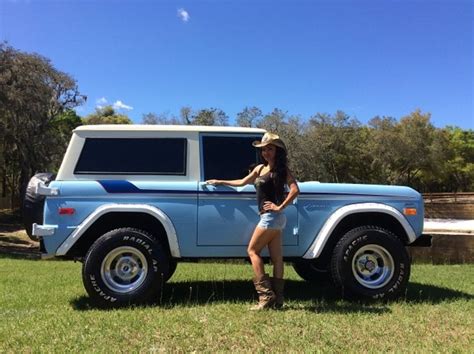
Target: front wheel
123,267
370,262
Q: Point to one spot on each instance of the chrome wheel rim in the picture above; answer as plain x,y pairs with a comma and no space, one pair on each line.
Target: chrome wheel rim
124,269
373,266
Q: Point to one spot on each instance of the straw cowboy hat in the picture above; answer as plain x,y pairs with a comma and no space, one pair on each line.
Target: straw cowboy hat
270,138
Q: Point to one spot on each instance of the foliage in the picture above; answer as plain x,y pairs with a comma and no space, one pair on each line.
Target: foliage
338,148
161,118
106,115
249,117
205,116
33,98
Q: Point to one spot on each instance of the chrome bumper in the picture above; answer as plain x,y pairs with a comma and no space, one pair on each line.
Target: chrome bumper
43,230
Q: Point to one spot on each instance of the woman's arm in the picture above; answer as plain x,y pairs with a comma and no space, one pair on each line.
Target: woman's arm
293,193
249,179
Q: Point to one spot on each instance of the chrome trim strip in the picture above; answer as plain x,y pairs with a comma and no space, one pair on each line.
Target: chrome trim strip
107,208
132,196
226,197
349,197
318,244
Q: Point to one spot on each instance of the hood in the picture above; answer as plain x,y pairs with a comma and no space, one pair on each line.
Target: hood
358,189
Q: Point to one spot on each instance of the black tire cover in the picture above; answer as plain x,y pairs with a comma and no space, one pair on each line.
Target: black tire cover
33,204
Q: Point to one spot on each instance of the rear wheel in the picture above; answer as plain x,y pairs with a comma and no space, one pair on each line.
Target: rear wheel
173,264
370,262
123,267
312,270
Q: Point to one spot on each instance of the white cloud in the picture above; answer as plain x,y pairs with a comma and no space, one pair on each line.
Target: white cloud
120,105
101,102
183,15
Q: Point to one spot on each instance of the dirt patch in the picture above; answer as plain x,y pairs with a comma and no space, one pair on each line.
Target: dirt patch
14,241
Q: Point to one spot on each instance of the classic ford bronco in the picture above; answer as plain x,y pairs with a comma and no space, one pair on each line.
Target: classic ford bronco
130,202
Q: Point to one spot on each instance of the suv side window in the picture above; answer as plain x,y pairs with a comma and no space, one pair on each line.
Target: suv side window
151,156
228,157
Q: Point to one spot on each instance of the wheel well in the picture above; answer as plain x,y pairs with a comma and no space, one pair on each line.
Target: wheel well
359,219
116,220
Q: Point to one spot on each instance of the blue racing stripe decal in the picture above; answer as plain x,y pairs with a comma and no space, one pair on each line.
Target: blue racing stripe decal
122,186
119,186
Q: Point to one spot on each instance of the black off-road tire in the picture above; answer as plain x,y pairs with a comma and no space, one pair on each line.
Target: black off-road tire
33,204
312,271
125,267
370,262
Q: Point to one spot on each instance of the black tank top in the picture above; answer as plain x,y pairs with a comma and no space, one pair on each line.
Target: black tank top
266,190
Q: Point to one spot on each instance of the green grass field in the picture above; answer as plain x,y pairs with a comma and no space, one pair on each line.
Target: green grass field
204,307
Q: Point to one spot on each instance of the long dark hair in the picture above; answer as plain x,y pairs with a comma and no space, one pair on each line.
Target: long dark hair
280,172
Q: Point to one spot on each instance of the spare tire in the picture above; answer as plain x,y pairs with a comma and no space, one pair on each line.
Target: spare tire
33,204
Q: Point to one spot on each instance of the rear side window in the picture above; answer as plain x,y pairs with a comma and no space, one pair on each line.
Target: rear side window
228,157
163,156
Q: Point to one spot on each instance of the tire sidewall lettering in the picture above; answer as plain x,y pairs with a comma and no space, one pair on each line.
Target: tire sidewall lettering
138,240
344,257
155,259
353,246
99,291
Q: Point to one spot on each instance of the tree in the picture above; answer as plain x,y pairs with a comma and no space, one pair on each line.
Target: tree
161,118
249,117
416,136
61,131
338,148
384,148
460,164
274,121
106,115
33,94
210,116
186,114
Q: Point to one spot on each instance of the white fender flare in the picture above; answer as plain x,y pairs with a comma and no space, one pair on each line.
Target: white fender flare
136,208
319,242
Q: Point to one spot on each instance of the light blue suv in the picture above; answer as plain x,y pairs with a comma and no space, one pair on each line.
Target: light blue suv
130,202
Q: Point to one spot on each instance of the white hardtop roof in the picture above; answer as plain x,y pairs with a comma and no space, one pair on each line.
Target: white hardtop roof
170,128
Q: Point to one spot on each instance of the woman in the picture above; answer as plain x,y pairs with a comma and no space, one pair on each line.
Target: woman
269,179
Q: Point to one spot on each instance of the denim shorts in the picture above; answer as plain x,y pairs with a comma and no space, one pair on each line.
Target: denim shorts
272,221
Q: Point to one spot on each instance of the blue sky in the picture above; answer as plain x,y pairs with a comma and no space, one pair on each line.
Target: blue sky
365,57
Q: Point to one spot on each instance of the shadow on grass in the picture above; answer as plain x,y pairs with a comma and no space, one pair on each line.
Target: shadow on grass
432,294
300,295
201,293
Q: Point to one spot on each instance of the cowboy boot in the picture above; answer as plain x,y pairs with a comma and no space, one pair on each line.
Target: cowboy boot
278,286
266,296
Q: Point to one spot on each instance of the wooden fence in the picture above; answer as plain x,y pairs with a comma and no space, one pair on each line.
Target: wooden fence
449,205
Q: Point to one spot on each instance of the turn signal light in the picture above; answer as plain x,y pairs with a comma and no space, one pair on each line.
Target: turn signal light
66,211
409,211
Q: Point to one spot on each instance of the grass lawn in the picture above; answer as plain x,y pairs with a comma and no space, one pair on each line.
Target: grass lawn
204,307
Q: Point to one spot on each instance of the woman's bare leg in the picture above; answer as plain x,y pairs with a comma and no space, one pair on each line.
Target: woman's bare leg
275,249
260,238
